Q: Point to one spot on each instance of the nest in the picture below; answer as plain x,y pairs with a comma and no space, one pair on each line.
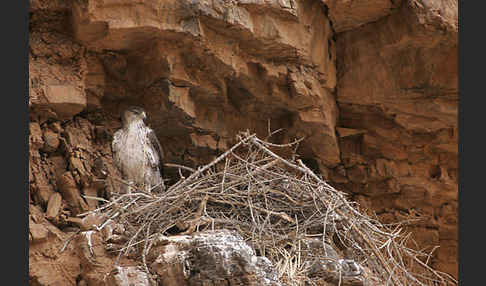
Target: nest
275,204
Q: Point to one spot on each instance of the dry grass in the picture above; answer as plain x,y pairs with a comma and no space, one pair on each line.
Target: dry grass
274,203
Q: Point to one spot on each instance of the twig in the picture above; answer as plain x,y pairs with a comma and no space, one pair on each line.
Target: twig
276,204
68,240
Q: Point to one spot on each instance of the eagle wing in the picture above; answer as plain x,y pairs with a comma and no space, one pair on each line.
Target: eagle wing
155,144
115,148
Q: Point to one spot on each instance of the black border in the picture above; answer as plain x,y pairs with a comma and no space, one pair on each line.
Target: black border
14,143
460,197
15,150
471,206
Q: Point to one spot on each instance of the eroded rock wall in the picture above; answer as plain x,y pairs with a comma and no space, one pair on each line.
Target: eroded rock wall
372,87
207,69
397,88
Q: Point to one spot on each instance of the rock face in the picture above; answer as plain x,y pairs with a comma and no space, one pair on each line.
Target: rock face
47,266
210,68
371,85
397,79
349,15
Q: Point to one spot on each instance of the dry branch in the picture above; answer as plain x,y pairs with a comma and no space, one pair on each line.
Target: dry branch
275,204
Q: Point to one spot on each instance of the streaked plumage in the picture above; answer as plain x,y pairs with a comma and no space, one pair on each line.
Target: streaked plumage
137,152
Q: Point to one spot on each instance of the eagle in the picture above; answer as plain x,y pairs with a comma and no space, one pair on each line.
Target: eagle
137,152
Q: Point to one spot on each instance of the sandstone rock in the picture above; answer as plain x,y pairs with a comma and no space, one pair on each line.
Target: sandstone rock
351,159
112,63
39,232
65,100
99,169
425,115
226,76
430,236
128,276
357,174
91,252
448,232
42,191
212,258
403,169
363,201
204,141
447,257
91,192
35,135
380,147
348,15
411,196
388,186
75,138
54,206
387,217
386,168
51,141
59,164
77,167
48,266
419,123
70,192
345,132
448,213
181,98
420,37
94,81
55,127
338,174
55,5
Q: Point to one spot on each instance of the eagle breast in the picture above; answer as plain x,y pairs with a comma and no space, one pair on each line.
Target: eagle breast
137,152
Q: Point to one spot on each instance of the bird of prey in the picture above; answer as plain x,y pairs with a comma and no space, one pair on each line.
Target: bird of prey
137,152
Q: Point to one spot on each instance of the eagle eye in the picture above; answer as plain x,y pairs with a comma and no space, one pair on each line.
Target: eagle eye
136,109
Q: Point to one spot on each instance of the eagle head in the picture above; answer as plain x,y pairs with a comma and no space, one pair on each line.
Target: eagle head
133,114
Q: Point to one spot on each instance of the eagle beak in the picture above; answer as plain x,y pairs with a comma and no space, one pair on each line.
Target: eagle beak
144,115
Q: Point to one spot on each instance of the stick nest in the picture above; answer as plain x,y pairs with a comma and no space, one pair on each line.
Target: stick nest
275,204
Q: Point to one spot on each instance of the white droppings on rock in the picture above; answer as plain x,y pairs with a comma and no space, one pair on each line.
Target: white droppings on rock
349,267
88,239
212,256
128,276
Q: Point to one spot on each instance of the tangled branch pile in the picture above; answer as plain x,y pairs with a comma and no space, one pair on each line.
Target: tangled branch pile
275,204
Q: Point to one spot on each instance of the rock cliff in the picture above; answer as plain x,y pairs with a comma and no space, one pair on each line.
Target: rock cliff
371,85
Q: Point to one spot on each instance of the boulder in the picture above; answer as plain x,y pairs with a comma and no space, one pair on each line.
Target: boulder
212,258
